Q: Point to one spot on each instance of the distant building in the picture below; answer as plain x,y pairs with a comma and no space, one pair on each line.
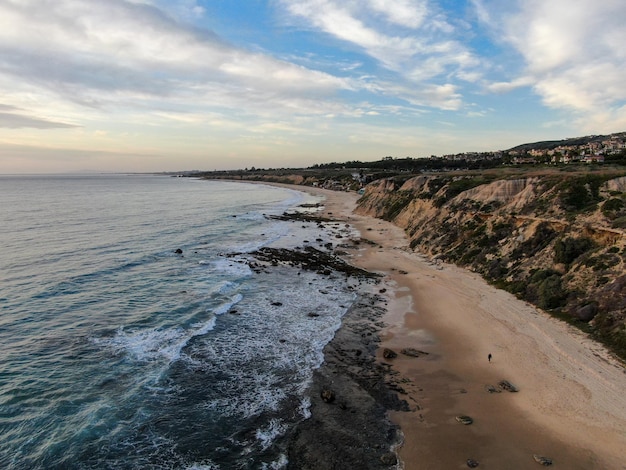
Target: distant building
593,159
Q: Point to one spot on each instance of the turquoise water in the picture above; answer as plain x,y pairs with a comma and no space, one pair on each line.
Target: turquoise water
117,352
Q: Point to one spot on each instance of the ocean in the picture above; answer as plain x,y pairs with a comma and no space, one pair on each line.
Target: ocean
118,352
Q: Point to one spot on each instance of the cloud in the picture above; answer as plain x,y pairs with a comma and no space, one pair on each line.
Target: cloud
408,13
572,52
153,56
11,117
504,87
118,54
406,37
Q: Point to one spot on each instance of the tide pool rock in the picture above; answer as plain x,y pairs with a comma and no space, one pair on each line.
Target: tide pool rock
545,461
508,386
463,419
389,353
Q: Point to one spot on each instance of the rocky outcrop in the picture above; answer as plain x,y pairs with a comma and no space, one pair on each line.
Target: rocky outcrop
554,239
516,193
617,184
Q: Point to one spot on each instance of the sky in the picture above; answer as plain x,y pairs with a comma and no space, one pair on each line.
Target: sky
156,85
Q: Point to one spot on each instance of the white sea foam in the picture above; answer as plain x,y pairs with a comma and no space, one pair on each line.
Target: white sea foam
231,267
280,463
155,344
269,433
305,407
271,233
227,287
278,341
226,306
204,466
248,394
252,216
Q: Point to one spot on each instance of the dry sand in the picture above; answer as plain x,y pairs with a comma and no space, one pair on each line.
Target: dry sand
571,406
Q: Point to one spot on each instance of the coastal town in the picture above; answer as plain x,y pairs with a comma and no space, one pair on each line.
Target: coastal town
589,149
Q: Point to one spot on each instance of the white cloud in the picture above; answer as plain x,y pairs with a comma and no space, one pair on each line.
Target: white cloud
573,52
504,87
427,51
61,59
408,13
119,54
12,117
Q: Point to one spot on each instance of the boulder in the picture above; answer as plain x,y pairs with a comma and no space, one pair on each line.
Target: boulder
389,353
328,396
413,352
586,313
389,459
545,461
463,419
508,386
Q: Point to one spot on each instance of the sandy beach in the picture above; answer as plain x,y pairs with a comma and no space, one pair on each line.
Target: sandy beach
571,403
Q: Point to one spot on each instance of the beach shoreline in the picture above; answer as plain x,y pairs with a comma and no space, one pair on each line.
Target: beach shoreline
570,406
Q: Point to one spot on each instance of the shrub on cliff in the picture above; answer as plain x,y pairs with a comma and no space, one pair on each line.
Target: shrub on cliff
581,193
395,203
551,293
566,250
460,185
613,208
619,222
543,236
545,289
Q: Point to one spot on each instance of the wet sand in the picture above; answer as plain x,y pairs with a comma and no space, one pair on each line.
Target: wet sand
571,404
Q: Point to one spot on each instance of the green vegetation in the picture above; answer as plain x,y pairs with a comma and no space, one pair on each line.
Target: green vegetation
619,222
544,234
613,208
602,261
459,185
581,193
547,288
396,201
566,250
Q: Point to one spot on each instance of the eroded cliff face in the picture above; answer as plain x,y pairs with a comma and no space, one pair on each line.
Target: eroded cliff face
557,242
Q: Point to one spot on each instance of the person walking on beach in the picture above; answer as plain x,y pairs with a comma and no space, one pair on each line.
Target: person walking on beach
489,357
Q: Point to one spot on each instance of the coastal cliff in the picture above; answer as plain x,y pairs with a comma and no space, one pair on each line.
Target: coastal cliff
556,240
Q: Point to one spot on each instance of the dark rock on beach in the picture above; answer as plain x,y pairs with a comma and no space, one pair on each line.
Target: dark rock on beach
587,312
412,352
508,386
309,258
327,395
299,217
463,419
541,460
389,353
